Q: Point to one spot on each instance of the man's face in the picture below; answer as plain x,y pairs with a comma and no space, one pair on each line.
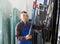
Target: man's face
24,16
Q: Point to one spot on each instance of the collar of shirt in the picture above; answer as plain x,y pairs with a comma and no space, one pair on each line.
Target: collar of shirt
25,25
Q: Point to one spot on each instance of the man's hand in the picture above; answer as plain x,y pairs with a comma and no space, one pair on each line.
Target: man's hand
28,37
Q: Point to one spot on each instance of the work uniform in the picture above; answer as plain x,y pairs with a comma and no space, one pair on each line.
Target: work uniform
23,30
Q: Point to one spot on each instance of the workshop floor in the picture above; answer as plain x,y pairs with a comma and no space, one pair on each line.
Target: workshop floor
47,42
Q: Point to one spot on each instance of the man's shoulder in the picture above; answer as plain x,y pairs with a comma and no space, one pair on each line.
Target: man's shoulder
18,23
29,23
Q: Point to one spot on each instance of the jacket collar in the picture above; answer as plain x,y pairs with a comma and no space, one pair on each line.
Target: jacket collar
25,25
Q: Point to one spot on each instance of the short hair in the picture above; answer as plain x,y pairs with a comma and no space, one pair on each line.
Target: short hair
24,12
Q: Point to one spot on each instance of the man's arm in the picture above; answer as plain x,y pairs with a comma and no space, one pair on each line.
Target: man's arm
18,32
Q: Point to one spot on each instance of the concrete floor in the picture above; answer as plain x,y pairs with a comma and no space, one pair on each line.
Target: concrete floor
47,42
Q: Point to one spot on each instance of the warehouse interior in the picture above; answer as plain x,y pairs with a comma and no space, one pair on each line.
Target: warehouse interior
44,12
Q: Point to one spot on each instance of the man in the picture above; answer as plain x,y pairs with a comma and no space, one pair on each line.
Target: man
23,28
